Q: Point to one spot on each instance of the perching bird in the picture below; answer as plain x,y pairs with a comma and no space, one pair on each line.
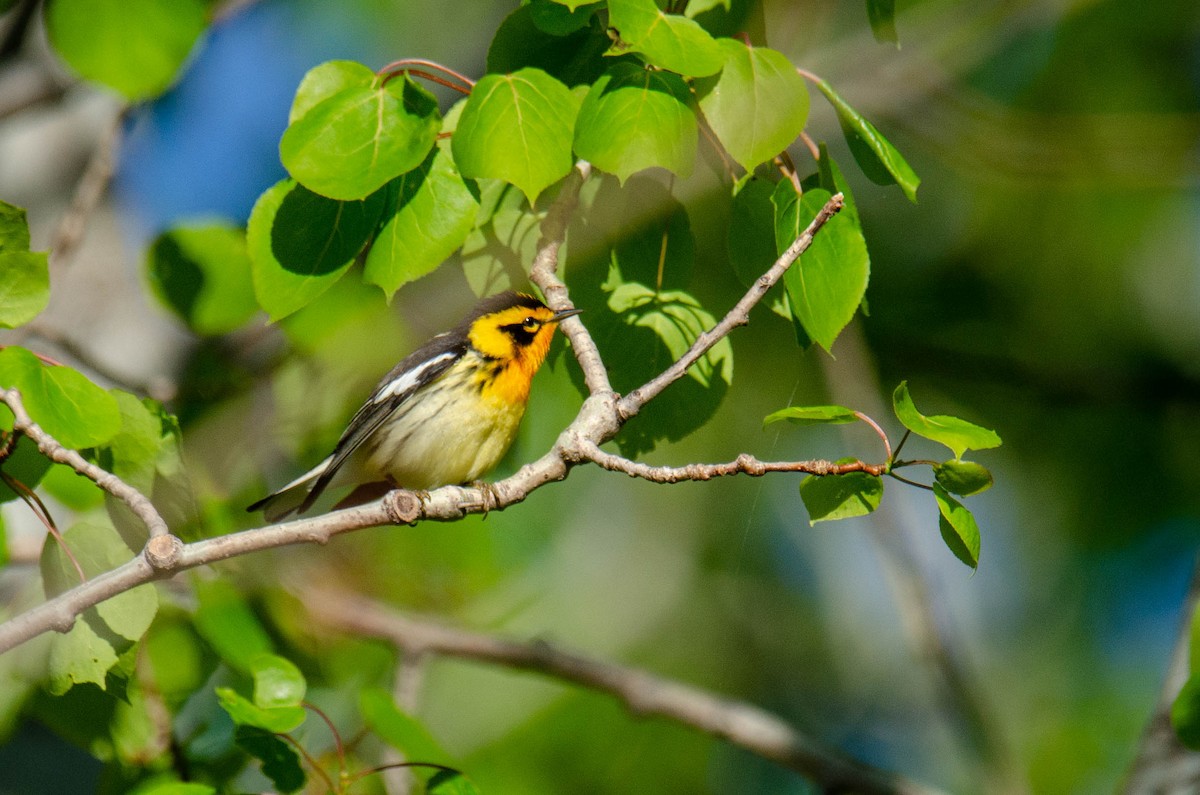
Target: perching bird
446,414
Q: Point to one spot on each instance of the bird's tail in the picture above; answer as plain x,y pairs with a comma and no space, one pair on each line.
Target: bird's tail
296,497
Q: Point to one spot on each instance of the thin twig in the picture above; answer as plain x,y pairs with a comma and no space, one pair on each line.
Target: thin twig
405,64
643,694
739,315
744,464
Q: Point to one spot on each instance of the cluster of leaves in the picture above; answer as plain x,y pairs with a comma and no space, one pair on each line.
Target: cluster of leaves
859,493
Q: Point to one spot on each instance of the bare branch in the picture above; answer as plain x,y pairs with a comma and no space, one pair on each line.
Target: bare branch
644,694
743,464
632,403
49,447
88,192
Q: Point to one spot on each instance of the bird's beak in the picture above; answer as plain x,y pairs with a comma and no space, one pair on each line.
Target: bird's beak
563,315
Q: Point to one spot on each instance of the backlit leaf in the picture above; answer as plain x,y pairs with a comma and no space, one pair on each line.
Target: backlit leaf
203,273
246,713
813,415
277,681
882,14
963,478
62,401
958,435
324,80
875,155
665,40
518,128
757,106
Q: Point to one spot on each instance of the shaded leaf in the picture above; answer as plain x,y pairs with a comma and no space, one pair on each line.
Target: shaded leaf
434,213
398,729
26,465
666,40
450,782
61,400
355,141
958,435
532,36
757,106
133,46
750,239
882,14
497,254
958,527
558,20
963,478
1185,713
280,763
875,155
633,119
203,273
517,128
226,622
829,497
812,415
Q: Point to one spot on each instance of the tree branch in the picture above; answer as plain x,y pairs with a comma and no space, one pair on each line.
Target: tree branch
643,693
743,464
598,420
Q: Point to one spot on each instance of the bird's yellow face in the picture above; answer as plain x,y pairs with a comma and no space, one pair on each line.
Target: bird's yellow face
516,339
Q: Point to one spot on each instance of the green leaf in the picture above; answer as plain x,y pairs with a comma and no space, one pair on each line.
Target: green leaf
280,763
355,141
498,253
573,4
558,20
830,497
882,14
24,286
398,729
633,119
697,7
169,787
656,246
958,435
661,326
757,106
826,285
226,622
177,657
133,452
450,782
877,158
62,401
666,40
435,211
301,243
750,237
1185,713
277,681
518,128
958,527
963,478
246,713
14,228
133,46
202,273
26,465
326,79
102,634
812,415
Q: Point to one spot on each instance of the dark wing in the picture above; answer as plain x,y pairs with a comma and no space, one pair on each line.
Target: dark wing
417,369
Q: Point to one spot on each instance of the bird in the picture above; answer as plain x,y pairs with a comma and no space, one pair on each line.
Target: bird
446,414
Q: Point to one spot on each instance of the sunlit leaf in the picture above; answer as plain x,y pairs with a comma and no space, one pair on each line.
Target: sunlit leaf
963,478
757,106
665,40
1185,713
14,228
202,272
246,713
434,213
518,128
133,46
958,435
633,119
812,415
24,286
958,527
355,141
875,155
324,80
277,681
829,497
160,787
450,782
62,401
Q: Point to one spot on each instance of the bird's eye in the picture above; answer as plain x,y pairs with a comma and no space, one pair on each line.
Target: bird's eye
530,324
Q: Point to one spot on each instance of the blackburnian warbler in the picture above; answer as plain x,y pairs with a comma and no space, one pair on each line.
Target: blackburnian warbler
446,414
